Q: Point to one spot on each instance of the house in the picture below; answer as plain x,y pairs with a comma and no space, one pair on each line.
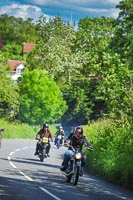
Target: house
16,67
27,47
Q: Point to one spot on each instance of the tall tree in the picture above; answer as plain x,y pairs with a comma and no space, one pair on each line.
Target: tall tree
93,37
57,56
17,30
95,34
41,98
123,40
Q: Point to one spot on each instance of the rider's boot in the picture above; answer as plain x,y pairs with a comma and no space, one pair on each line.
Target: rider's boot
64,164
36,153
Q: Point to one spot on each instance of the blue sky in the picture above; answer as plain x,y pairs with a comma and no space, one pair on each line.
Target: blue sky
69,9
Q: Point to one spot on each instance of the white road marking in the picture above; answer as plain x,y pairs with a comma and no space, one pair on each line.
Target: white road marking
27,177
17,149
11,153
30,179
9,158
12,165
49,193
25,148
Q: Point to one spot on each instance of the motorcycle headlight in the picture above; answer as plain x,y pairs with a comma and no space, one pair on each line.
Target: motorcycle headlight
78,155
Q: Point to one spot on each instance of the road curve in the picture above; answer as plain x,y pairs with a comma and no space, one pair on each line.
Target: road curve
24,177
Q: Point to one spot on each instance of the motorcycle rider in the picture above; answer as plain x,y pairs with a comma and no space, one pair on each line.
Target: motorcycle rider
76,139
47,133
60,132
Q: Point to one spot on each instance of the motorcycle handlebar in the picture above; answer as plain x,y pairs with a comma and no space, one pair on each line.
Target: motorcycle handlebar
37,138
90,148
87,148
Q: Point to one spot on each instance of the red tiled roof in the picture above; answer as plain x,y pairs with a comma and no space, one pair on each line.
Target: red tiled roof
27,47
14,64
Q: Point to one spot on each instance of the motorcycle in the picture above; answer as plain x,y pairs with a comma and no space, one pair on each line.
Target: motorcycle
72,172
58,141
42,150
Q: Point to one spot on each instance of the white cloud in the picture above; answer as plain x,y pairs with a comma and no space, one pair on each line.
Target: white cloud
75,2
95,7
114,13
23,11
101,12
33,9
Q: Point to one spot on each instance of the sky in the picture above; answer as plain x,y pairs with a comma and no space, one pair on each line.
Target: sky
70,10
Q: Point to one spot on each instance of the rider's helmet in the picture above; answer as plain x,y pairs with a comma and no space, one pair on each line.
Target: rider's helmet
45,125
60,127
79,130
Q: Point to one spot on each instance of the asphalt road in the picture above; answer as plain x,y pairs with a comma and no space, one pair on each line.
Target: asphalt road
24,177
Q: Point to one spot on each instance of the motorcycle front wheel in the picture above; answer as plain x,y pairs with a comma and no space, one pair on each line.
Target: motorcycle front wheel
75,176
58,144
69,168
43,154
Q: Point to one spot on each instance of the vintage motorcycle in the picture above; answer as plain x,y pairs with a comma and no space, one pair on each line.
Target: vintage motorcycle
43,144
72,172
58,141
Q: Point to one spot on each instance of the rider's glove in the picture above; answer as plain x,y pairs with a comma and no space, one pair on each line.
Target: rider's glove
90,148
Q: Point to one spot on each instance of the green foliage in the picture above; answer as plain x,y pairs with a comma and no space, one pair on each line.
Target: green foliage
113,147
41,99
9,93
110,91
13,50
92,40
54,50
124,31
95,34
17,30
113,85
82,63
58,57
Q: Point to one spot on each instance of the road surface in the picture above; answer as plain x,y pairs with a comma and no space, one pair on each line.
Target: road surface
24,177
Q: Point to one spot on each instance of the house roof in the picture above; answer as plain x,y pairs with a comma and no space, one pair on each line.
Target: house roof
27,47
15,63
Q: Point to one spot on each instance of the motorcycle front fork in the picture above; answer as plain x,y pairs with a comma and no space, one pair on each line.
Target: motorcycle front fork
72,169
74,164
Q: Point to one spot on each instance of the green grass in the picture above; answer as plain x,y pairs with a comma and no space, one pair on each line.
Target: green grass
23,131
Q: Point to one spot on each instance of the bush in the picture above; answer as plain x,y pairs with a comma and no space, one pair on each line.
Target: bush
113,149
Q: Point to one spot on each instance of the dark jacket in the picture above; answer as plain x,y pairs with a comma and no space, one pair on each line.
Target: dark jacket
60,133
78,141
